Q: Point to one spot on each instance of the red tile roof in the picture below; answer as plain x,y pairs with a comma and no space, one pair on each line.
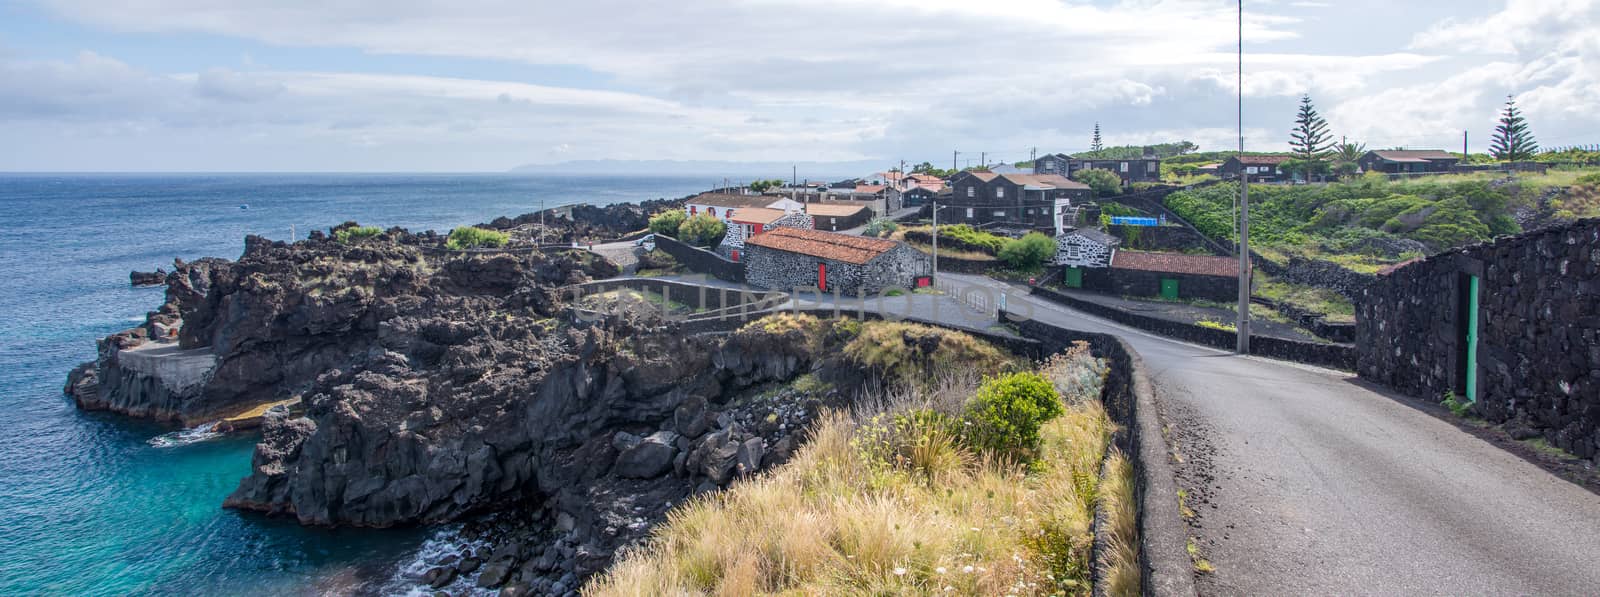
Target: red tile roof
1389,269
827,245
756,215
1049,180
834,210
1176,263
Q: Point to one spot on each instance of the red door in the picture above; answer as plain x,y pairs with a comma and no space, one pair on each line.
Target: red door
822,276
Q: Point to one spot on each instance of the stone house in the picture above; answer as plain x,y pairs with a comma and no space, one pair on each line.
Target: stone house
1087,247
1145,169
1032,201
1406,161
722,205
1260,168
790,258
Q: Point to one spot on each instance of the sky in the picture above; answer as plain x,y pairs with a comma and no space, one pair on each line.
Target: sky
487,85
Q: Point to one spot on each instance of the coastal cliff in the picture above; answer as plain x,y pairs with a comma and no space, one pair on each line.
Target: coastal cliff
436,386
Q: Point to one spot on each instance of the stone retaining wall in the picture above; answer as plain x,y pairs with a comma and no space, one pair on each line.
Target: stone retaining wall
700,260
1132,282
1538,344
1338,356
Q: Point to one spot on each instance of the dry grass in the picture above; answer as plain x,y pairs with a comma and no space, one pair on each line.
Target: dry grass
1119,565
902,351
926,517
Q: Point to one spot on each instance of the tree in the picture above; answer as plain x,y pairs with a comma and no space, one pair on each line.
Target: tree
667,222
1309,140
1095,145
1345,157
702,230
1513,141
1104,182
762,186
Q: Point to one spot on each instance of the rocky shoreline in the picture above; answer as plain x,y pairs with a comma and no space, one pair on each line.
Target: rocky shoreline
439,386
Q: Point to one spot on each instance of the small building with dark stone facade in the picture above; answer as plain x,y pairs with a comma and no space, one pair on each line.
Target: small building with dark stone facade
1408,161
1030,201
1173,276
790,258
1260,168
1511,326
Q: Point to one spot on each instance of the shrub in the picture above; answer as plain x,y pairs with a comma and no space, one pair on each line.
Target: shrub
702,230
469,237
968,237
667,222
1029,252
881,227
1007,411
355,234
1104,182
1591,179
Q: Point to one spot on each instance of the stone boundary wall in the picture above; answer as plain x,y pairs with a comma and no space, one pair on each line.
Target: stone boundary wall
1337,356
1022,346
1315,272
926,238
1538,337
1316,323
1133,282
1130,401
700,260
1177,239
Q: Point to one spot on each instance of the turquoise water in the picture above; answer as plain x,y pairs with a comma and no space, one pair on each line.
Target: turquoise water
87,504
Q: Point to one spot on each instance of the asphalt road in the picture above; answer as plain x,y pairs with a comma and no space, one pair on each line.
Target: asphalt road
1306,483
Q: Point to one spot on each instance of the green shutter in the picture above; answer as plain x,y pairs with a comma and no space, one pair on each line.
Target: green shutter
1074,277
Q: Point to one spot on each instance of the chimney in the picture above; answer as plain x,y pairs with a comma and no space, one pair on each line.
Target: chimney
1149,152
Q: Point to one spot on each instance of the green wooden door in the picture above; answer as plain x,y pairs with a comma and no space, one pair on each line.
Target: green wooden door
1169,288
1472,339
1074,277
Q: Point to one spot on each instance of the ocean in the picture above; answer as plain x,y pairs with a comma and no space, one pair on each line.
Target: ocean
95,503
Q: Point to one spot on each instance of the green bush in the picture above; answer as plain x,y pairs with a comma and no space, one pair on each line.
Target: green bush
1591,179
1029,252
1104,182
1006,413
881,227
667,222
355,234
702,230
468,237
973,238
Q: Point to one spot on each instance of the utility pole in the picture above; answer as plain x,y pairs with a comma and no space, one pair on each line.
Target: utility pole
983,159
1243,325
1033,154
541,221
955,165
1463,146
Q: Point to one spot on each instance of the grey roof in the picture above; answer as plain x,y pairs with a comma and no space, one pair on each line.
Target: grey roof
1096,235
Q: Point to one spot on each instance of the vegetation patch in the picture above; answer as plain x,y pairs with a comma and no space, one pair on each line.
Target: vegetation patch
897,500
667,222
354,234
470,237
915,353
1314,299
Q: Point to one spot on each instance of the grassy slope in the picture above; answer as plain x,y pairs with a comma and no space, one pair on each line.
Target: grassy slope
872,505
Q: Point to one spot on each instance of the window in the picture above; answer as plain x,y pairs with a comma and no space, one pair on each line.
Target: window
972,192
999,213
1151,167
969,213
1250,170
1124,166
1072,251
1000,192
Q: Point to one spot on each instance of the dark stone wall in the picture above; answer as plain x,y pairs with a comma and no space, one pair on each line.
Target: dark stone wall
1315,272
694,295
782,270
1176,239
1130,282
701,260
1338,356
1539,331
1316,323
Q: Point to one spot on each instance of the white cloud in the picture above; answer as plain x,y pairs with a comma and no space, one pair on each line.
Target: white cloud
787,79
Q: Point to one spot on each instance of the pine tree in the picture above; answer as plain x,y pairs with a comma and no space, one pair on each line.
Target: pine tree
1512,139
1096,146
1309,141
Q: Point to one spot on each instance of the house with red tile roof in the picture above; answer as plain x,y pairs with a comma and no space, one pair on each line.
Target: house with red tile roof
792,258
